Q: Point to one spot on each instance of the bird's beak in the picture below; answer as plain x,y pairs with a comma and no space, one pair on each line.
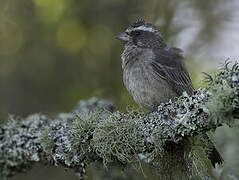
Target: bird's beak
122,36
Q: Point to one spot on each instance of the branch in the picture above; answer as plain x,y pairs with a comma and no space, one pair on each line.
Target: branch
94,131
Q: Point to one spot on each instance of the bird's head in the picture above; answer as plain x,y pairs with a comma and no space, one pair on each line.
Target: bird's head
141,34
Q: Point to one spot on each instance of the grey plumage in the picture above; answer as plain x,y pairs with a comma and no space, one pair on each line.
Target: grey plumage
152,71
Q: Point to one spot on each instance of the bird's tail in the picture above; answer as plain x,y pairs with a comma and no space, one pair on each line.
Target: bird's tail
214,154
215,157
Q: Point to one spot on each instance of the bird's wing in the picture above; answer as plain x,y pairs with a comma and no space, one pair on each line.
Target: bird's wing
168,64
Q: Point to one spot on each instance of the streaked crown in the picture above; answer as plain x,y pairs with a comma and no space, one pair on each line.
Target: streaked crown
141,25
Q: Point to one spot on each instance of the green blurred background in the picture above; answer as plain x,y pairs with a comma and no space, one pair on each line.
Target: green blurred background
56,52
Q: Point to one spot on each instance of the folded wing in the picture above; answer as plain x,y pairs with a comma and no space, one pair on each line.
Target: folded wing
168,64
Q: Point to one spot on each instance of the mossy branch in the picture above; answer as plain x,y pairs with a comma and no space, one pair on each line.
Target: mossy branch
94,131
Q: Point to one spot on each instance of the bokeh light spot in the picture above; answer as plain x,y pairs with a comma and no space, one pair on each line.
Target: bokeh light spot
71,36
50,11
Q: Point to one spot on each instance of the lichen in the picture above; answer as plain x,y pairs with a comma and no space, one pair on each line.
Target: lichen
223,104
118,138
20,146
170,139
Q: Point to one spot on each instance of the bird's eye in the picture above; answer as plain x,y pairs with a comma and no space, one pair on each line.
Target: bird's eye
135,33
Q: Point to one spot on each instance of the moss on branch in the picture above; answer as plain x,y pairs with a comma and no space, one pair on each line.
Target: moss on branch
94,131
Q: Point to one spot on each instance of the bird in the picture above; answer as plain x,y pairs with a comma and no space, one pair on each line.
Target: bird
153,72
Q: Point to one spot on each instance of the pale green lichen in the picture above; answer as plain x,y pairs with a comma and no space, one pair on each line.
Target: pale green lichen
223,104
19,144
170,139
118,138
46,141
